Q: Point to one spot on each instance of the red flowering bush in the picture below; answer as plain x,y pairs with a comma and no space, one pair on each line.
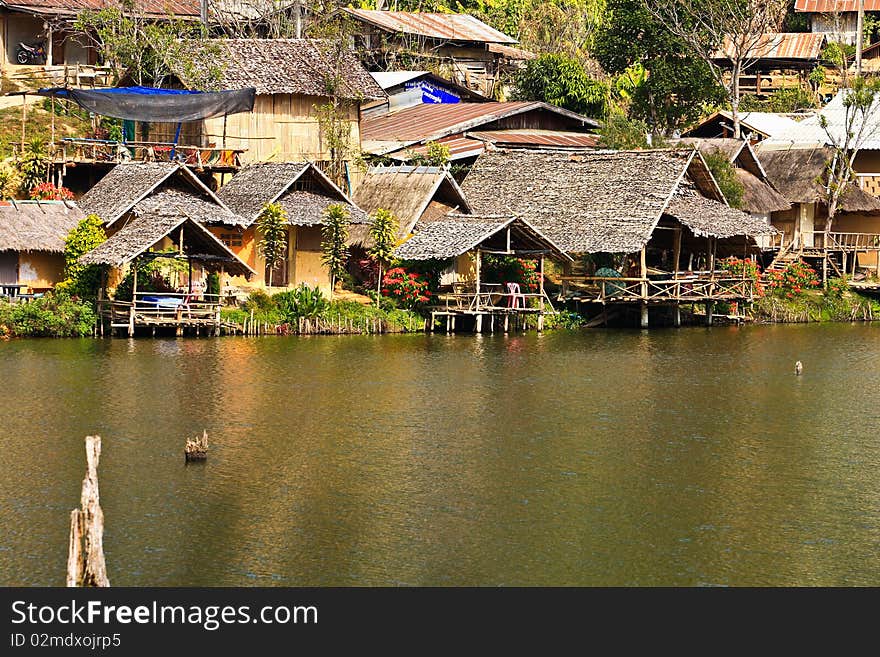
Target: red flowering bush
740,268
49,192
794,279
408,288
507,269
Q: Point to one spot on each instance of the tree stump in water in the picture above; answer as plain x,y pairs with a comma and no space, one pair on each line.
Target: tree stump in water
197,450
85,556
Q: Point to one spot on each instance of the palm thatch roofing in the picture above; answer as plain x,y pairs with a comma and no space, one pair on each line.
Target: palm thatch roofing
410,193
301,188
800,175
311,67
602,201
144,232
708,218
37,225
456,234
760,197
168,184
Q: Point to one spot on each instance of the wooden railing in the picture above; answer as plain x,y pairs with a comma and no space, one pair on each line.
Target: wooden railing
488,300
162,309
70,150
694,289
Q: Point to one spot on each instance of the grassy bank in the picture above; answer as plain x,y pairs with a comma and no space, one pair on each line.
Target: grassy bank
52,316
37,126
305,311
816,306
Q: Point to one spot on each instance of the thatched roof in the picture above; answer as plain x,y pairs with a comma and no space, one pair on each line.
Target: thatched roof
310,67
457,234
758,196
144,232
799,174
131,183
708,218
301,188
37,225
408,192
594,201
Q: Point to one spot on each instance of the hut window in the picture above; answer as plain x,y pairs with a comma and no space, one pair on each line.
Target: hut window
230,239
308,238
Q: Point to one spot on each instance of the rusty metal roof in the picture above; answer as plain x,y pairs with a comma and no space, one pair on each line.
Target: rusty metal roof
428,122
181,8
448,27
829,6
538,138
783,45
459,148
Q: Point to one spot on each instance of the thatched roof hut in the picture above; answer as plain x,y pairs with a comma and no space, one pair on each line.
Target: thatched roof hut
457,234
147,186
143,233
412,194
800,175
301,188
759,195
37,225
288,66
605,201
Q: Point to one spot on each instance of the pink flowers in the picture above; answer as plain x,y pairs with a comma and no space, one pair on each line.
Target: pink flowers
49,192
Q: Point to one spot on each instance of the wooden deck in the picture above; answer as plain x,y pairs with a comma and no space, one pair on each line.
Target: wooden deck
490,309
686,289
71,151
181,312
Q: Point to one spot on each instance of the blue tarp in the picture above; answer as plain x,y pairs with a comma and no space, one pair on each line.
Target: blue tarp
154,105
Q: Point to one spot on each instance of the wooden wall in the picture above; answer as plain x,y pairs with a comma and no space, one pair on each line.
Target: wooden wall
282,128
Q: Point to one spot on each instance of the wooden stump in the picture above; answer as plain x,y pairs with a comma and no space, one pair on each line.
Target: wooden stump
197,450
85,556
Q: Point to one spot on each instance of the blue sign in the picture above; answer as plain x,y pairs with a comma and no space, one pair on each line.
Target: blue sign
432,94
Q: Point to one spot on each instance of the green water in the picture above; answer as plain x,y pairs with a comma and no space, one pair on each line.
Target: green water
669,457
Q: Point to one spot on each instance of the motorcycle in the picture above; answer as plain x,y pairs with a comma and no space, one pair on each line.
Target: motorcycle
33,53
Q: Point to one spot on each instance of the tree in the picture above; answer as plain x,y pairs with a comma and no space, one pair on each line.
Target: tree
383,232
272,224
725,175
622,133
563,81
656,78
148,50
734,27
334,241
82,280
860,123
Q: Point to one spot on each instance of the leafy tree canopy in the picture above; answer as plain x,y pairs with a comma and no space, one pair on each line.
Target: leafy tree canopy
564,82
676,86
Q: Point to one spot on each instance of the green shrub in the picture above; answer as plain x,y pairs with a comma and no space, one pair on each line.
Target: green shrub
301,302
55,315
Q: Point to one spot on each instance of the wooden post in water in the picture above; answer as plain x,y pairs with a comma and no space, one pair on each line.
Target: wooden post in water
643,274
85,556
541,292
134,287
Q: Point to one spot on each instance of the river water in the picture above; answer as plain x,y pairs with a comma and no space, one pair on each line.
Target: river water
664,457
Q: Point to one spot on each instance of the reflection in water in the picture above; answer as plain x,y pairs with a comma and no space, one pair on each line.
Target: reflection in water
688,456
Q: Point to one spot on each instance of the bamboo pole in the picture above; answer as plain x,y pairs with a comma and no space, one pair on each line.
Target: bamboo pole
85,557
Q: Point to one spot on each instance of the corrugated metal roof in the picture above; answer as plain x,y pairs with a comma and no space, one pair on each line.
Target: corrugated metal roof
783,45
185,8
431,122
829,6
459,148
810,132
388,79
452,27
554,138
512,53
